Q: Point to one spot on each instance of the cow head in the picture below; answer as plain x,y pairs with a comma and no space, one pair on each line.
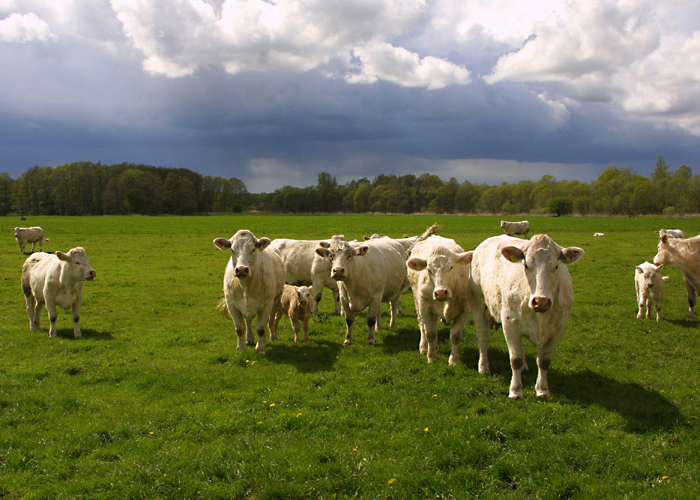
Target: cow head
304,295
341,254
541,259
244,247
76,265
646,273
440,270
17,231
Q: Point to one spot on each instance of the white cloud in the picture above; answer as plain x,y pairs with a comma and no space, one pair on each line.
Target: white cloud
23,28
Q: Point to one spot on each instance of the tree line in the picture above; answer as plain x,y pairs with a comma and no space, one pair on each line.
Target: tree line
86,188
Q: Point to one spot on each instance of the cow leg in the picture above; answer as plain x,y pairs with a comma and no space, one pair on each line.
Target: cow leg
691,297
456,337
33,246
240,324
260,327
517,358
640,312
336,300
657,306
374,313
76,317
33,310
274,324
482,325
395,306
544,358
53,316
305,323
429,337
296,326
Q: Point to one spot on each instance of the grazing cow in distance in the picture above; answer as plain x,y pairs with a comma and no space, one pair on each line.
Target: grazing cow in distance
598,234
367,275
31,235
253,280
55,280
295,303
671,233
438,270
650,289
683,254
526,287
513,228
303,267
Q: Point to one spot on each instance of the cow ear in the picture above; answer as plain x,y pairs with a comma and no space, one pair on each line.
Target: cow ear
664,238
360,251
323,251
665,277
222,243
639,270
465,258
571,254
513,254
416,264
366,238
325,244
63,256
262,243
659,267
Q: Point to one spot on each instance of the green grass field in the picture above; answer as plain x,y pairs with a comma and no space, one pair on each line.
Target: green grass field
154,401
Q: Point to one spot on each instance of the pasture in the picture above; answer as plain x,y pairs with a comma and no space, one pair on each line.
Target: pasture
154,401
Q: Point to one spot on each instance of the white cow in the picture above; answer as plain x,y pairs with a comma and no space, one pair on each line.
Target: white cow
438,270
295,303
683,254
31,235
513,228
526,287
650,289
367,275
671,233
55,280
303,267
253,280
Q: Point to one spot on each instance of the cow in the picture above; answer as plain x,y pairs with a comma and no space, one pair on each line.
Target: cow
683,254
367,275
55,280
303,267
31,235
513,228
526,287
650,289
438,270
253,280
598,234
671,233
295,303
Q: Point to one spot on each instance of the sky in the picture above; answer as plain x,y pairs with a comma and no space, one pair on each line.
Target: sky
274,92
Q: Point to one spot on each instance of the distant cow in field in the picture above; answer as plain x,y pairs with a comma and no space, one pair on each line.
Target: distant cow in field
438,270
31,235
526,287
367,275
650,289
671,233
295,303
55,280
513,228
303,267
253,280
598,234
683,254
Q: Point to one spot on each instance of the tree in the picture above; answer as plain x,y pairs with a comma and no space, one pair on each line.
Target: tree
560,205
6,189
327,188
660,172
179,196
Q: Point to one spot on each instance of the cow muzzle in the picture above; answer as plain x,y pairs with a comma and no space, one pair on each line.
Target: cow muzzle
338,273
540,304
442,294
242,272
91,275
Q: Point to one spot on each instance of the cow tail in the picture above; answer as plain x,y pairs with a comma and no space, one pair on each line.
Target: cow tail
223,308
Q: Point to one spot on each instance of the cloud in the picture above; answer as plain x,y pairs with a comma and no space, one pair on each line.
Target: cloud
24,28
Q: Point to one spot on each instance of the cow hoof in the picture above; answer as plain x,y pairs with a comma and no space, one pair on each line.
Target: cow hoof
515,395
453,361
484,371
347,342
544,394
77,335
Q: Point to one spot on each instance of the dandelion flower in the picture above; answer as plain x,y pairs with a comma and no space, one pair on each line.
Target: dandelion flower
426,429
273,404
392,480
298,415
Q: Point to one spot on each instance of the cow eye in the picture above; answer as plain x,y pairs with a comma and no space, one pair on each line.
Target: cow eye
525,264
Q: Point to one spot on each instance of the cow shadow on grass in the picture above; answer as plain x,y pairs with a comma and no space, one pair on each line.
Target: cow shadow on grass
307,357
86,333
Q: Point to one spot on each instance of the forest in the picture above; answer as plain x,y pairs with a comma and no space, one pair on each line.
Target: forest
86,188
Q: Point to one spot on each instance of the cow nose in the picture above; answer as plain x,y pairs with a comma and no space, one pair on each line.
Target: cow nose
650,285
442,294
242,271
92,273
338,272
540,304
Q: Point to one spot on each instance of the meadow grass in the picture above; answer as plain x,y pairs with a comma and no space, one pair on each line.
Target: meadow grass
154,401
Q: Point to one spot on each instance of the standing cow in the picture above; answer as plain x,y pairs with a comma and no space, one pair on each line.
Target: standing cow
253,280
682,254
438,270
295,303
526,287
649,285
55,280
32,235
303,267
367,275
513,228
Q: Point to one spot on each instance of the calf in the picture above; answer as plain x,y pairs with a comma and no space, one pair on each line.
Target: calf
513,228
367,275
650,289
303,267
526,287
253,280
295,303
683,254
55,280
438,270
31,235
